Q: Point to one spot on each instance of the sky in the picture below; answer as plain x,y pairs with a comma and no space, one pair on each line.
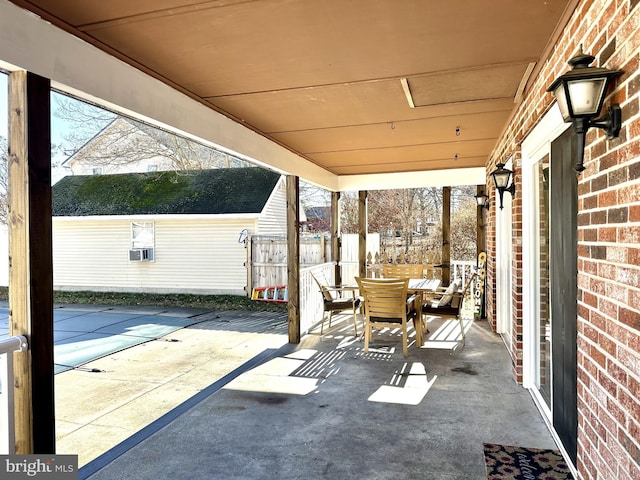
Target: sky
59,127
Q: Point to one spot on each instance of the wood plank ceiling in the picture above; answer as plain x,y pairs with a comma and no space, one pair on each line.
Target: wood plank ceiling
355,86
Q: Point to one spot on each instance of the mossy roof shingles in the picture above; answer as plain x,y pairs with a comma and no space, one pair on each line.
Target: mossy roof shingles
219,191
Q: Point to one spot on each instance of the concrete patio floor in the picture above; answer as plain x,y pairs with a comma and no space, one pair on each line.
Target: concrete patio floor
103,402
256,407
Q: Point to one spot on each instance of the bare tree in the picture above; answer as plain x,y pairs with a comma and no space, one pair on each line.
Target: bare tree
463,229
123,141
84,119
400,214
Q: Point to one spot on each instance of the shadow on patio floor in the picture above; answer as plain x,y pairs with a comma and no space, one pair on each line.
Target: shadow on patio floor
326,409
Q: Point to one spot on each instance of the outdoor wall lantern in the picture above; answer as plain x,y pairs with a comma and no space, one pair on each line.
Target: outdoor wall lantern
501,178
482,200
580,94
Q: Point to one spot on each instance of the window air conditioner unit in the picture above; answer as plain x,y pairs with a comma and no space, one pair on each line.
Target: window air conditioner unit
141,255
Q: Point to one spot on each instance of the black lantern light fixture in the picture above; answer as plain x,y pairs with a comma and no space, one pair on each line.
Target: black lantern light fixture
501,177
482,200
580,93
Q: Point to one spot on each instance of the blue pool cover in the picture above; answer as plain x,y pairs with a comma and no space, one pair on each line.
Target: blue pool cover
85,333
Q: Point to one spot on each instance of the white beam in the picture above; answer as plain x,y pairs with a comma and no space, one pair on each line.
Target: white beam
433,178
74,66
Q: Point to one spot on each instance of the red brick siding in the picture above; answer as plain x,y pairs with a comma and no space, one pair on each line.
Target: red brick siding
608,241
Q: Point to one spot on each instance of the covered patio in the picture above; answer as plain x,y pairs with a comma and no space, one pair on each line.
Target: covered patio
359,96
326,409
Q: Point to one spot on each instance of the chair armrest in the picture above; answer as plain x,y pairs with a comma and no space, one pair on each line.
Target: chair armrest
341,290
440,290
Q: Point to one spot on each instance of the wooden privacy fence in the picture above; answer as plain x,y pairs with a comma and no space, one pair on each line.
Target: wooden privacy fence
267,259
267,256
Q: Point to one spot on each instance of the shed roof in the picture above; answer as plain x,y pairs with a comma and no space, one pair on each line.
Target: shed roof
218,191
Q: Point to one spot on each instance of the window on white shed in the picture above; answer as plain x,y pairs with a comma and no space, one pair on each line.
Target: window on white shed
142,235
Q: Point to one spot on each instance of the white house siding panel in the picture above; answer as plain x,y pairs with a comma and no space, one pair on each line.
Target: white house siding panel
87,167
273,220
88,254
190,256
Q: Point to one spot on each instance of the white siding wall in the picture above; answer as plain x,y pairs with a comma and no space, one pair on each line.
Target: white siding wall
191,256
86,167
273,220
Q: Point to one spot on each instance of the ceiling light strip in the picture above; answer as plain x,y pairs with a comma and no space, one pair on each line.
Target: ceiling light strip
407,92
517,98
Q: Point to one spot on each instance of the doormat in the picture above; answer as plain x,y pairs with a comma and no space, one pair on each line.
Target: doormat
518,463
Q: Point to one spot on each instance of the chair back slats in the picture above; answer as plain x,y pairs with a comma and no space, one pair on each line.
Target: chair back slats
337,299
384,298
326,293
385,305
402,270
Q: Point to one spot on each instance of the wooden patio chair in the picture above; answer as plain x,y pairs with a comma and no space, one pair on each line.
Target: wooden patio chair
449,302
386,305
402,270
335,299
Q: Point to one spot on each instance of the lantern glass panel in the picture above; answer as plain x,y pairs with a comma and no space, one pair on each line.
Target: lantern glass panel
585,95
501,179
561,98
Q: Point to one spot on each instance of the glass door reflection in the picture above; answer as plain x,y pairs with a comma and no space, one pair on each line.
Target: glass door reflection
544,318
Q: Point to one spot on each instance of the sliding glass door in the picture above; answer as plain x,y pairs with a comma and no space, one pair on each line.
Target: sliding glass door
542,326
550,275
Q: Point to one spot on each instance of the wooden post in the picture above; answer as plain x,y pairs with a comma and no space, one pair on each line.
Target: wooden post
480,234
336,244
293,257
446,235
362,233
30,260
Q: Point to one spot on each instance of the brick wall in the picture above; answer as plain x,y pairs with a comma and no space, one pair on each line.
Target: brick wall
608,241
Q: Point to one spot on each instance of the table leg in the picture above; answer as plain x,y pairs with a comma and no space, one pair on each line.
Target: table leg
417,322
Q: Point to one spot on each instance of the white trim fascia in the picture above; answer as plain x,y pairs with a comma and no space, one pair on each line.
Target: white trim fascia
504,248
529,282
534,147
281,181
80,69
156,217
430,178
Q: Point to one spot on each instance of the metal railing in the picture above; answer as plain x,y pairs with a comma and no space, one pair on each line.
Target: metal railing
9,345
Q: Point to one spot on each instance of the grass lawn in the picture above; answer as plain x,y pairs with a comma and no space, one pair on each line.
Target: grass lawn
213,302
